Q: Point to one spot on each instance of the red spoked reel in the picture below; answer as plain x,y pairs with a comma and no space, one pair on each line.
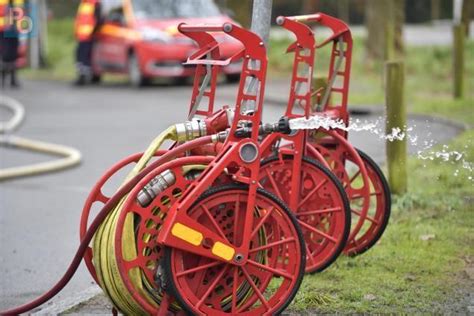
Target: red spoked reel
97,196
263,283
378,214
322,211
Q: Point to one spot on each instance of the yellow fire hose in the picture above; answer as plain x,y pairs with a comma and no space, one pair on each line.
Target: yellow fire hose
104,247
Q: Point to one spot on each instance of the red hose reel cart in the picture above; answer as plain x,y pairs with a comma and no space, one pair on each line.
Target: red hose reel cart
251,161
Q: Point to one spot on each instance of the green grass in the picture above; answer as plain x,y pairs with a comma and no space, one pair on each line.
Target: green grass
404,273
60,52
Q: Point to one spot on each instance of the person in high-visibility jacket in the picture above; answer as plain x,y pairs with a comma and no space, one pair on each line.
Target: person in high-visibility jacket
88,20
9,40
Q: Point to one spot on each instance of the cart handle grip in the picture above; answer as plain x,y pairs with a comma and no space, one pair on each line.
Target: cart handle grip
300,18
186,28
337,26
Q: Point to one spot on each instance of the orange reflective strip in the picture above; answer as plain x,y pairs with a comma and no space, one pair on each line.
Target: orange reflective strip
85,29
86,8
172,30
117,31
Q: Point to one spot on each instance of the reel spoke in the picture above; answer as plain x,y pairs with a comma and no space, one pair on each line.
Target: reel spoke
272,270
256,289
323,209
198,268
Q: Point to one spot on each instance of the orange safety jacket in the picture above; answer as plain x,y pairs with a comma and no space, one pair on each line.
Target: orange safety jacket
5,19
85,20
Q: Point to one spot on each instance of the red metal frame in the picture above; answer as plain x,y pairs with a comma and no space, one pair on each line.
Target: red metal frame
254,51
335,141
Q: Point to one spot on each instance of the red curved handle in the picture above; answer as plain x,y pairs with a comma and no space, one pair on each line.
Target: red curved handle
303,18
336,25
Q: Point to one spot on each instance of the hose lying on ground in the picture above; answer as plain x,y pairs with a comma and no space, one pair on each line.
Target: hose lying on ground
71,156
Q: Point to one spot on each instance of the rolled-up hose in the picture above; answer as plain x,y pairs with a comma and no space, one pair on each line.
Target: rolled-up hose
97,222
103,249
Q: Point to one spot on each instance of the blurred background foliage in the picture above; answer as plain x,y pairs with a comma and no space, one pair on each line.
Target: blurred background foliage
419,11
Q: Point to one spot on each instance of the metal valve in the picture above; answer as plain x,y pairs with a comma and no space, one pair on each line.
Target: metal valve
157,185
190,130
282,126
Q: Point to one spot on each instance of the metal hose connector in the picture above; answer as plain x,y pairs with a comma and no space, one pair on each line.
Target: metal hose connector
190,130
157,185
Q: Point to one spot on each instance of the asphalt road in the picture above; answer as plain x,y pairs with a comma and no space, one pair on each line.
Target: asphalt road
39,216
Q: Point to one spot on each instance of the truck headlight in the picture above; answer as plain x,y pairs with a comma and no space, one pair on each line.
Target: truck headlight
154,35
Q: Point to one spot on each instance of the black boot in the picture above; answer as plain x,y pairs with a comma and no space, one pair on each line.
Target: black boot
81,80
13,79
4,78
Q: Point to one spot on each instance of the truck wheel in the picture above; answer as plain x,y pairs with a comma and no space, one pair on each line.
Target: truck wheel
233,78
134,73
96,79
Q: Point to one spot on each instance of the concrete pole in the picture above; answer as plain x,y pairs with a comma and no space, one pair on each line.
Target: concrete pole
34,45
396,118
261,19
43,15
38,41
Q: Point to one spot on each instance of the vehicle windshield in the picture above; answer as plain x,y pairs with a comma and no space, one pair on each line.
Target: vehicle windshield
170,9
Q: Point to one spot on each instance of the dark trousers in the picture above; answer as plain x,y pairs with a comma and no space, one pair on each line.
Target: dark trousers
84,57
8,56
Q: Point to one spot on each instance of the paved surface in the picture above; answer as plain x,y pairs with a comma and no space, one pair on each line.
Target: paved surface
39,216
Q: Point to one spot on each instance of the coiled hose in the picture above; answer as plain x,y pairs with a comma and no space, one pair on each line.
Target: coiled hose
105,263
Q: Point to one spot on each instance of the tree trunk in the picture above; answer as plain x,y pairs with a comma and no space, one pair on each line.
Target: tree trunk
399,8
343,10
309,6
384,21
242,11
435,10
467,14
